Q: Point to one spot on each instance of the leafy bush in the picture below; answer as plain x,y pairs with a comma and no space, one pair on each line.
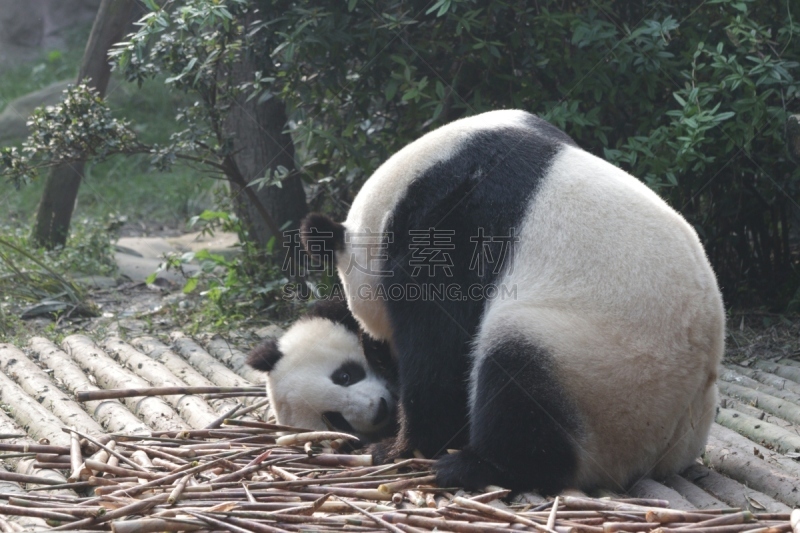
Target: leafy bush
234,285
41,280
690,97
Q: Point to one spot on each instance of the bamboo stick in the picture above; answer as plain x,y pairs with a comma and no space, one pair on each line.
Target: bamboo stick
234,359
752,471
231,526
488,497
253,407
734,528
109,374
646,502
729,402
734,518
258,527
13,510
390,488
175,476
778,461
766,378
160,352
195,411
55,479
551,519
586,503
648,488
111,451
176,493
97,466
154,525
500,514
77,466
203,362
38,421
217,422
234,395
732,492
759,431
112,415
735,376
24,478
24,466
784,371
612,527
771,400
378,520
440,524
37,384
52,466
313,436
264,425
107,394
180,368
137,507
695,495
30,447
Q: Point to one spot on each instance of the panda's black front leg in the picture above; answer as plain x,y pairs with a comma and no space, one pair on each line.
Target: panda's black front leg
433,366
394,447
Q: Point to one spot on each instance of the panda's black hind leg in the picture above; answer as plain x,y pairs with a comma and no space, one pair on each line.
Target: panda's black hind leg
524,429
466,469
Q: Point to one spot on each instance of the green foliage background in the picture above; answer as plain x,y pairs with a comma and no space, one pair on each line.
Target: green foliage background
691,97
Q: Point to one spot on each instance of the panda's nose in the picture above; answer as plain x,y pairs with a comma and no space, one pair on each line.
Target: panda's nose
382,414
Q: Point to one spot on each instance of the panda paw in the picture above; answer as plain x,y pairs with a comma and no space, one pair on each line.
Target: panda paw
466,469
387,450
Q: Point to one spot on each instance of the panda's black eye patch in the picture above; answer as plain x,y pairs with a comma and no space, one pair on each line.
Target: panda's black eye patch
348,374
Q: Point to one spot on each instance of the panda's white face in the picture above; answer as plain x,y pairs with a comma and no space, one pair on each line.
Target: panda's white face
323,372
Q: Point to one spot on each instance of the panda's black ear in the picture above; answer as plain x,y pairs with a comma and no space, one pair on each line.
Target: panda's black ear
321,236
265,356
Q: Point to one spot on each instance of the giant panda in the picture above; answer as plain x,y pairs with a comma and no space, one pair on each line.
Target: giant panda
598,365
325,373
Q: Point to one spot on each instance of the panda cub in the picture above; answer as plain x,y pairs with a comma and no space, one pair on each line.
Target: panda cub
550,315
325,372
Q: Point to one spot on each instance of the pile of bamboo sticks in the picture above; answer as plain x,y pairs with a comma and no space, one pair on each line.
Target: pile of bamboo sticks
182,445
249,476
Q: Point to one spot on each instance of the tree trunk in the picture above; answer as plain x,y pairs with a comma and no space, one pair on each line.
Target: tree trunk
61,188
793,137
260,145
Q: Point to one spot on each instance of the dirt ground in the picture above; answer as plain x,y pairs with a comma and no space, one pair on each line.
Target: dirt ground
756,334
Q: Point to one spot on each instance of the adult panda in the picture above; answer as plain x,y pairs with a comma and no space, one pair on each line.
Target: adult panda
599,365
324,371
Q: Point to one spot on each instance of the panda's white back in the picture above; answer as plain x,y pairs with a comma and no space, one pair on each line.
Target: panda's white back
616,285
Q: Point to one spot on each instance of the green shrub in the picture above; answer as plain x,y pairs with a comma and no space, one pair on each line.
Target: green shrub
690,97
